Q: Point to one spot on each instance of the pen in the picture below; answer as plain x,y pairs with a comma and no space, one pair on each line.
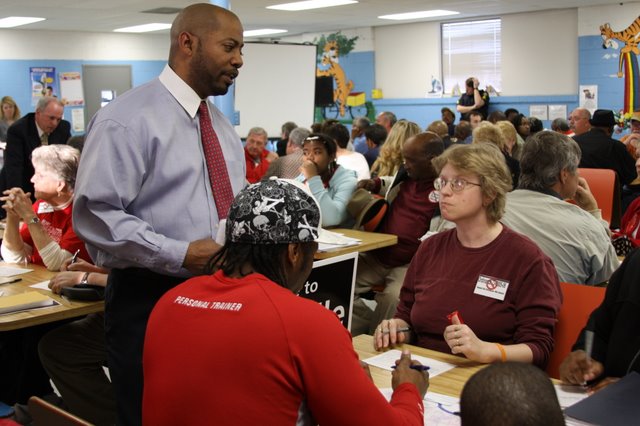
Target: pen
588,342
75,256
416,367
588,346
15,280
399,330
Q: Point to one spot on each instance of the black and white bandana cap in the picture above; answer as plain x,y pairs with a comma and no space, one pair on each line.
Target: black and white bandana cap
275,211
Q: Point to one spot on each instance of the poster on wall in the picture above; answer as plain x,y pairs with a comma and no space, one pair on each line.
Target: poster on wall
557,111
71,88
589,97
539,112
77,120
43,83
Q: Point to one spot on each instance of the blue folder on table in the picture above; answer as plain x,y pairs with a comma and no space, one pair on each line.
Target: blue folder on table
617,404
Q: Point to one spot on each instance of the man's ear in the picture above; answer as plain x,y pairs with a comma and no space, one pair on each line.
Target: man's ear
294,253
564,175
187,42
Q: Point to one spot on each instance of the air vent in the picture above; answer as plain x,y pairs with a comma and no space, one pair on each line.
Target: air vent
164,10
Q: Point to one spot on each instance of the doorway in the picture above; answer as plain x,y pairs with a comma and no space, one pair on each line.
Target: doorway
102,84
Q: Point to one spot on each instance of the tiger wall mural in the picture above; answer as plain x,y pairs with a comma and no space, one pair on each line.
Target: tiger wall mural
627,62
332,48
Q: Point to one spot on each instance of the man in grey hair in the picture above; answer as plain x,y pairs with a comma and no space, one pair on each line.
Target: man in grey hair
288,167
574,236
45,126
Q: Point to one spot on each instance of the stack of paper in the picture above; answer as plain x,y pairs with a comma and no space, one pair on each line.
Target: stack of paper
328,240
25,301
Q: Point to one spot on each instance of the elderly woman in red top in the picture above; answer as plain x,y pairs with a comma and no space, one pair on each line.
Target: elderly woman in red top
499,281
46,236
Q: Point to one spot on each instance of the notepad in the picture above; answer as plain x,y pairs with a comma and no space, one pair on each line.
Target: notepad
24,302
386,359
617,404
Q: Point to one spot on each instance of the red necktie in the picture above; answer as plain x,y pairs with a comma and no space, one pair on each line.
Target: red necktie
218,175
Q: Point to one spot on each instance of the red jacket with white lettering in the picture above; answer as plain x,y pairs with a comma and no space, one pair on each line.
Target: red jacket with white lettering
246,351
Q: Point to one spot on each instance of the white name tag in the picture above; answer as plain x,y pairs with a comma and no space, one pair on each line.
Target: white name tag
491,287
45,208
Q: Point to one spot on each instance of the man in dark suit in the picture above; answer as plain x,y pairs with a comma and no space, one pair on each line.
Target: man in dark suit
600,151
44,127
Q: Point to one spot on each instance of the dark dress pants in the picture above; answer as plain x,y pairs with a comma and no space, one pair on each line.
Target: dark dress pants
130,296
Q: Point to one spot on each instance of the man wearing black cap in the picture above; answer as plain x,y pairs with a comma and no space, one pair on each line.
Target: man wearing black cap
239,347
600,151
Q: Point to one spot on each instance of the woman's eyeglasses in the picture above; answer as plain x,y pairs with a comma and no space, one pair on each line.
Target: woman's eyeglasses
456,184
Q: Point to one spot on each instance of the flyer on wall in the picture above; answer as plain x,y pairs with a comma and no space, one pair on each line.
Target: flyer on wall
589,97
43,83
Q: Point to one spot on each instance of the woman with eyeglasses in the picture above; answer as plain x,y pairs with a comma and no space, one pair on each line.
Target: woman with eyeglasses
330,184
479,290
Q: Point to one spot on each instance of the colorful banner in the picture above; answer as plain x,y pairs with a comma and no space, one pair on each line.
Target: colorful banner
43,83
631,83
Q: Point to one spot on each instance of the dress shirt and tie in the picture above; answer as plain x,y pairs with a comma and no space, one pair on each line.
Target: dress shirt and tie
218,176
168,198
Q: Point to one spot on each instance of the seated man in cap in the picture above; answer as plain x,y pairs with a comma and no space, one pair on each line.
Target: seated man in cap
600,151
239,347
411,208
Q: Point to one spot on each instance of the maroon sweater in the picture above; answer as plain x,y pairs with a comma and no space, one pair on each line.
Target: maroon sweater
409,218
442,278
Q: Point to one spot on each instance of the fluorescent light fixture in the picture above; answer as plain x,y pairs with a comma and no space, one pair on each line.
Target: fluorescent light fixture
16,21
264,31
143,28
310,4
419,15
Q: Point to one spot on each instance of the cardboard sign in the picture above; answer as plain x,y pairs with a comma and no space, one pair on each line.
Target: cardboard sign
331,284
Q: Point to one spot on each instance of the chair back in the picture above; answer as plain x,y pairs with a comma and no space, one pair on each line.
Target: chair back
605,190
578,301
46,414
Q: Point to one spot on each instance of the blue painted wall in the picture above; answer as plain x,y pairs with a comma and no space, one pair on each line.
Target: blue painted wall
15,77
599,66
360,68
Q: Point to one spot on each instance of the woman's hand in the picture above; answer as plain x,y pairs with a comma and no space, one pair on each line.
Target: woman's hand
309,169
65,279
577,368
82,266
391,332
17,203
462,340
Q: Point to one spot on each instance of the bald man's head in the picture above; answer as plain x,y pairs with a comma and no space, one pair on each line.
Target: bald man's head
206,48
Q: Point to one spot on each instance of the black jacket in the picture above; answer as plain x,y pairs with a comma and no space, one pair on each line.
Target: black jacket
22,139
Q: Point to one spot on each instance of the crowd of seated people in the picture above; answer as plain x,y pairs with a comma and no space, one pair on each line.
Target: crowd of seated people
483,284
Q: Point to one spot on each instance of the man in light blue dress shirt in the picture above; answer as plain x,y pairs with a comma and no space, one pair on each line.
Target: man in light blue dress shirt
144,203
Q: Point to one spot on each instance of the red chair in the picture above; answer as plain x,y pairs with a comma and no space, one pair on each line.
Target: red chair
605,190
578,301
